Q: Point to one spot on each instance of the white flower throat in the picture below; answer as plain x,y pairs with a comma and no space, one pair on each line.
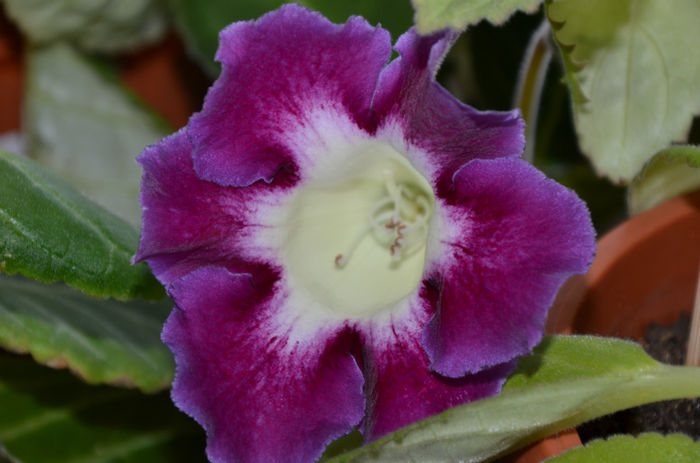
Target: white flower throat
355,233
398,221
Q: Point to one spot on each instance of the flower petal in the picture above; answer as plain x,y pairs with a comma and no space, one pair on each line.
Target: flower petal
400,387
259,398
189,222
512,238
275,72
435,121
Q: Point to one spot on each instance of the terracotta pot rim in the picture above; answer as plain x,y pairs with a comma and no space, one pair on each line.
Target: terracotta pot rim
624,238
616,250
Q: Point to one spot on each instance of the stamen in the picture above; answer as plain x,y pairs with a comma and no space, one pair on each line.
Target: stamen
397,220
342,259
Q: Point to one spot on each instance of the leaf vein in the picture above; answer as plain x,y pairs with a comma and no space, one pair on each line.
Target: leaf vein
667,77
65,205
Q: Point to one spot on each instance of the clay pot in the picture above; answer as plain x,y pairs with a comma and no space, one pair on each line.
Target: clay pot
645,271
11,76
546,448
167,80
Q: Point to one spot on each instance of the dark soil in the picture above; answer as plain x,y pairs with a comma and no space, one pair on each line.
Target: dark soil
666,344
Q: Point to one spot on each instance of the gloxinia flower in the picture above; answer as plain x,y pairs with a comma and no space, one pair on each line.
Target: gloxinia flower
346,243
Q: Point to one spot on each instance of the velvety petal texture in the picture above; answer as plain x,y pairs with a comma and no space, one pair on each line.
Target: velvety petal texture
260,399
345,242
275,72
512,238
189,222
401,387
432,119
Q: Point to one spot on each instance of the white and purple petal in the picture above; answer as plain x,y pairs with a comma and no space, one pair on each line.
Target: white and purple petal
511,238
260,397
276,72
400,386
431,119
189,222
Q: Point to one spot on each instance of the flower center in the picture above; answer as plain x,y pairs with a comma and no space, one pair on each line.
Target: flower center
398,221
355,233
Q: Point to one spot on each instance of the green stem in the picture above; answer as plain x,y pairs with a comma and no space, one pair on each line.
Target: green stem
531,78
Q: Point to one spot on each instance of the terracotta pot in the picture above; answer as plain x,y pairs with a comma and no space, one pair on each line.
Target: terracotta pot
645,271
546,448
11,76
166,79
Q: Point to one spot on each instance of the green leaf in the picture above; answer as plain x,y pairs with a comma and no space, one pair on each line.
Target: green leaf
200,22
648,448
50,232
96,25
633,67
50,415
82,124
566,380
102,341
432,15
671,172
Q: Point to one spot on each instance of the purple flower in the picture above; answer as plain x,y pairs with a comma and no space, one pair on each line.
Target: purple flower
346,244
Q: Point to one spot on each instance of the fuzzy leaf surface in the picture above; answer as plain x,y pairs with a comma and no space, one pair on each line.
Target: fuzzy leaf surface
673,171
565,381
50,232
633,67
432,15
649,448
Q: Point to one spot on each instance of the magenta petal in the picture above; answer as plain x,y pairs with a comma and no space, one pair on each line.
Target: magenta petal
181,222
259,399
432,119
516,236
275,72
189,222
401,388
